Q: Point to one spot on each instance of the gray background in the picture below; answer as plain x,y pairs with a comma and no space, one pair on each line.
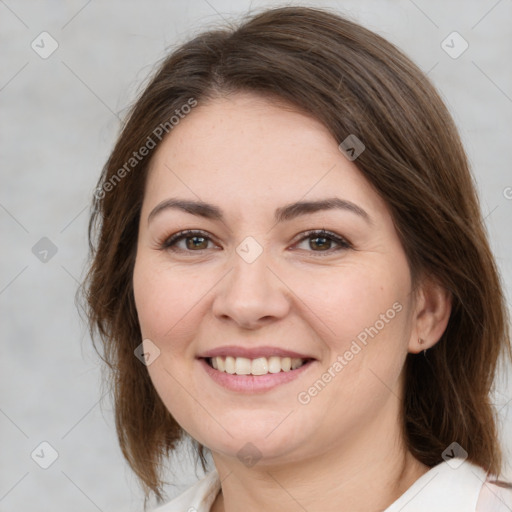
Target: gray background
59,119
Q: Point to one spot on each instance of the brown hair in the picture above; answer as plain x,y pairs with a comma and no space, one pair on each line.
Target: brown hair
355,83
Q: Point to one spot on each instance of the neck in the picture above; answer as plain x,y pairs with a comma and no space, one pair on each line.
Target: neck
366,474
349,489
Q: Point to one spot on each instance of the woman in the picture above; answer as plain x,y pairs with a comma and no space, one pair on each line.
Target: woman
290,267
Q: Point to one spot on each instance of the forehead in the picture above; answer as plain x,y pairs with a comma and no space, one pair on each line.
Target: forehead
248,150
243,129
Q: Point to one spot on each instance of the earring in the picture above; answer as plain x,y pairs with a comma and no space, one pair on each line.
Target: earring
421,341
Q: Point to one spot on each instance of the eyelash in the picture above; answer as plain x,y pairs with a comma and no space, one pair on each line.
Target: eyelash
169,243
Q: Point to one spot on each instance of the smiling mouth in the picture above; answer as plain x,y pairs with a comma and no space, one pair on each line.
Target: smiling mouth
258,366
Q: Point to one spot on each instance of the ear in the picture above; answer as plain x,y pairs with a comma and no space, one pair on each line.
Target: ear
432,312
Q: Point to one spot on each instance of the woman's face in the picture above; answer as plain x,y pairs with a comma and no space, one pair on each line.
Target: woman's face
257,289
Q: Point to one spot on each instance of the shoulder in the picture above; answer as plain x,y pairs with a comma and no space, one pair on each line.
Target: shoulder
495,497
197,498
456,484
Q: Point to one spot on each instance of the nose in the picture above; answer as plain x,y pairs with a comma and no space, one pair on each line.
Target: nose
252,294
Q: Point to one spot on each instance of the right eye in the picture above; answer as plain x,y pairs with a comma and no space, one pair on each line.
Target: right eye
194,241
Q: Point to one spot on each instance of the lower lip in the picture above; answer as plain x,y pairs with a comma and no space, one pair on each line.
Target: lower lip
253,383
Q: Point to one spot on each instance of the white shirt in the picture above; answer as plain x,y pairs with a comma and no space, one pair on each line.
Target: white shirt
454,486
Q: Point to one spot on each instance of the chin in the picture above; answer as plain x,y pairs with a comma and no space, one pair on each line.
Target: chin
256,446
251,452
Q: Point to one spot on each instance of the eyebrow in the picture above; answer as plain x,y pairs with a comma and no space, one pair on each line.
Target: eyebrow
284,213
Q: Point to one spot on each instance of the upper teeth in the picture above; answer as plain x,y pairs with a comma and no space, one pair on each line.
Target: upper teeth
258,366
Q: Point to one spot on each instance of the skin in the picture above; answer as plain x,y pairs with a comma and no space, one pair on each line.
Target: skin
344,449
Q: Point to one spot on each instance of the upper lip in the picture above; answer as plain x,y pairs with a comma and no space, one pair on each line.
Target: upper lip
252,353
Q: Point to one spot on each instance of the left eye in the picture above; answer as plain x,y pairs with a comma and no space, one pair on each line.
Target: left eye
319,241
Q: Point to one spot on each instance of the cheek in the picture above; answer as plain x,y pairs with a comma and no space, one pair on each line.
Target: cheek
165,299
357,302
364,311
